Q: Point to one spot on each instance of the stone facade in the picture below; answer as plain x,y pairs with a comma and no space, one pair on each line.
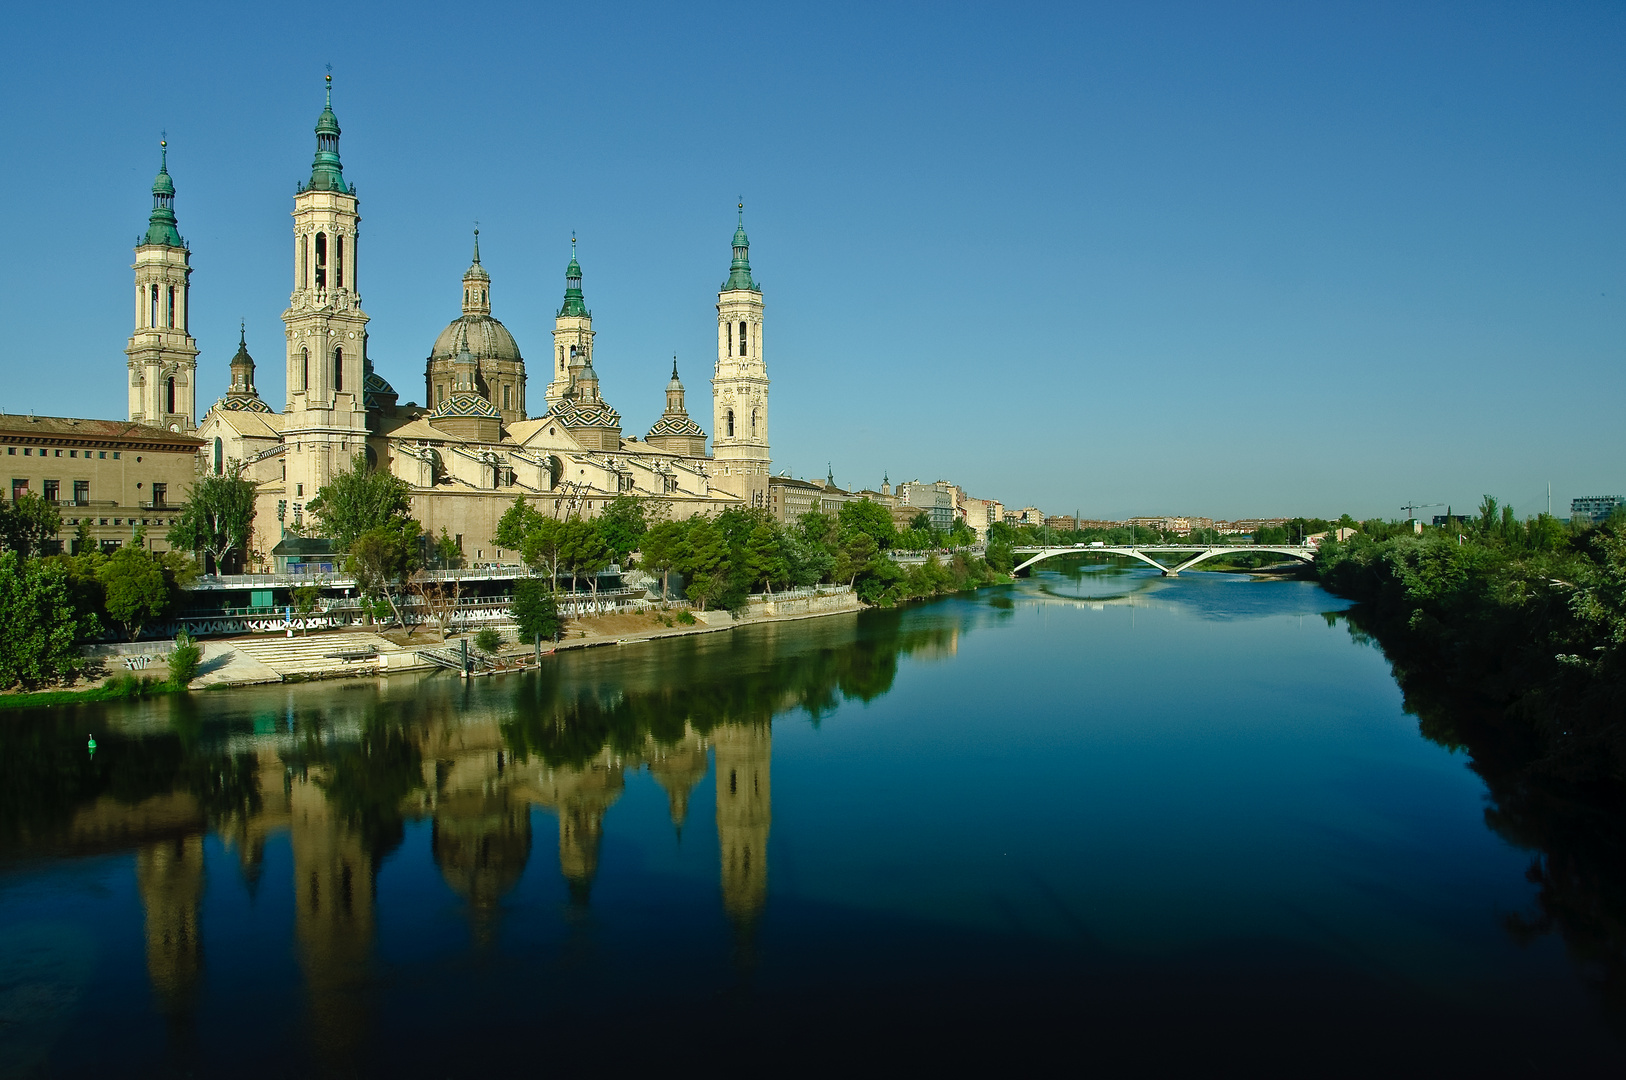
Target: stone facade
116,476
473,448
163,358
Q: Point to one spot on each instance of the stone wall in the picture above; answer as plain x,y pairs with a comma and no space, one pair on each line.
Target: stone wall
815,601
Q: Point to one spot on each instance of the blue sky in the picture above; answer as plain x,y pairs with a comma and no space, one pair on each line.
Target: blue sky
1216,259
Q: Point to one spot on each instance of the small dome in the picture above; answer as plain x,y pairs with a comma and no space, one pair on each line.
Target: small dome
487,339
163,185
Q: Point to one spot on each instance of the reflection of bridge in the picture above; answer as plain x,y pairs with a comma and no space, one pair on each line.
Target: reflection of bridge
1198,553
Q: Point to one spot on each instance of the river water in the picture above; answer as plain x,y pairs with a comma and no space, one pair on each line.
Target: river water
1096,818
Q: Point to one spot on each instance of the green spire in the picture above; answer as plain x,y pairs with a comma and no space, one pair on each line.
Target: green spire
739,271
574,304
327,174
161,225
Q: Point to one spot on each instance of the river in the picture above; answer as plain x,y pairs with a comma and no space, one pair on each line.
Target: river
1096,818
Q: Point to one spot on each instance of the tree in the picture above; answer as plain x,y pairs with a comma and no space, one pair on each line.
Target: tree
856,551
864,516
704,561
136,590
662,551
41,627
623,524
305,599
382,559
764,559
358,500
516,523
27,524
921,521
583,551
536,611
184,660
449,555
218,518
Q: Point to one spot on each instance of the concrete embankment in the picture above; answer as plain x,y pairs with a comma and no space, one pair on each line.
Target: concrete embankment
249,661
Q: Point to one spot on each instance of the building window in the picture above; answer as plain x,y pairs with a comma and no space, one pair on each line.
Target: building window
51,491
743,351
754,422
304,369
728,336
171,320
220,456
158,493
115,455
338,370
299,491
169,393
731,423
321,260
484,298
465,298
152,317
101,455
508,397
338,268
81,492
305,261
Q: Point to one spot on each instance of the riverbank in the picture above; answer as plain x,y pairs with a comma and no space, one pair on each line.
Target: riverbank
254,660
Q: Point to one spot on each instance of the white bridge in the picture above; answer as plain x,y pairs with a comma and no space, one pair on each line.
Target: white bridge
1191,553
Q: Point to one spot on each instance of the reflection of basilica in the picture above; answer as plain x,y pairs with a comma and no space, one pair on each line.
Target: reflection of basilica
479,799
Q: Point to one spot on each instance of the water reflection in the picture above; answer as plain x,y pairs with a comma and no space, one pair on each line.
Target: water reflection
340,769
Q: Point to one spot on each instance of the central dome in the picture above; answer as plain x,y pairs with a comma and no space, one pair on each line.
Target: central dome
487,339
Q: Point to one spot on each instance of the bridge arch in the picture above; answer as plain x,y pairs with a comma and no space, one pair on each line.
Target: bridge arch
1201,554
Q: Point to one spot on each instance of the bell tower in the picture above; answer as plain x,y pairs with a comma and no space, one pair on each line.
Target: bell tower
572,333
163,357
739,390
326,328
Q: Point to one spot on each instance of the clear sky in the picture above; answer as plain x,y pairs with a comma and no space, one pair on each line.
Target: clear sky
1216,259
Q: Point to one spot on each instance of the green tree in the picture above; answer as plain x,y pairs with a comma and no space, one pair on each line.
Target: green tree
662,551
305,599
583,552
858,550
448,554
921,521
218,517
382,559
359,500
623,524
136,590
184,660
41,626
516,523
864,516
765,557
705,563
535,610
28,524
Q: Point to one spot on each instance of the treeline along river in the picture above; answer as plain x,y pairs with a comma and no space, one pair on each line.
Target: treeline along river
1096,817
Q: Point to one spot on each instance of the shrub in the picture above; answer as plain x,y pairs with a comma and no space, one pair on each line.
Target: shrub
686,618
488,640
184,660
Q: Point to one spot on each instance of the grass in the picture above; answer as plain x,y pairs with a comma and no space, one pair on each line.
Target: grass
118,688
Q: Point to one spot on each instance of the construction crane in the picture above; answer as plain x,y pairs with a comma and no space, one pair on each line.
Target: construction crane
1412,508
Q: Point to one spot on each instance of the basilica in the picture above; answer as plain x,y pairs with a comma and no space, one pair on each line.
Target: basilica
476,443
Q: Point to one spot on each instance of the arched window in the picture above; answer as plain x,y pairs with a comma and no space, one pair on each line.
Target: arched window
305,261
484,297
321,260
169,394
152,319
338,370
561,358
743,350
338,279
171,320
731,422
728,337
220,456
754,413
508,397
465,298
304,369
